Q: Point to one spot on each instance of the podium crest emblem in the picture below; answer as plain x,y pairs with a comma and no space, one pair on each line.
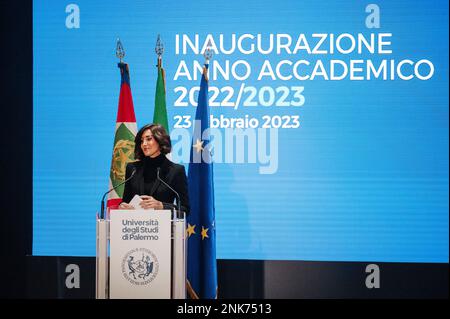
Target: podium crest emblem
140,266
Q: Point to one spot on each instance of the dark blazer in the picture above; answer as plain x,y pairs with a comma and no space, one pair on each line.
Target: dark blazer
171,173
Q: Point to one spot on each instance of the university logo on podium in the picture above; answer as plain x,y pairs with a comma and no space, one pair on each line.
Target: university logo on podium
140,254
140,266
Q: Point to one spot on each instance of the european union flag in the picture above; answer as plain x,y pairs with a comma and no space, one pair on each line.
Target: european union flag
201,266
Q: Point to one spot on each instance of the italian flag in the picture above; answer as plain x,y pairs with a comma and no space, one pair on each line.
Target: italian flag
126,130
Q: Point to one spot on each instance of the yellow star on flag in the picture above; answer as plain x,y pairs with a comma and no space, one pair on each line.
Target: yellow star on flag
204,233
190,230
198,146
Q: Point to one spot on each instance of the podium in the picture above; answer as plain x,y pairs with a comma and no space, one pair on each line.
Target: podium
141,254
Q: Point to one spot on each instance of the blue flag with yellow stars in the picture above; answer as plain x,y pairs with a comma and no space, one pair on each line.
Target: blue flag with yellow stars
201,233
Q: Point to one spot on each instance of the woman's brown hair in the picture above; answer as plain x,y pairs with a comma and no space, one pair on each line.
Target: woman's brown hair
159,134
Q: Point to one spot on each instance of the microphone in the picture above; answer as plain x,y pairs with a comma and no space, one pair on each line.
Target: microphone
102,215
168,186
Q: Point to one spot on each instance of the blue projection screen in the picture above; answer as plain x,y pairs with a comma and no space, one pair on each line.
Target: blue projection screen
343,106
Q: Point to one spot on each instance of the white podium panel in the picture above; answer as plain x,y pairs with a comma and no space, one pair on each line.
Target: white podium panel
140,254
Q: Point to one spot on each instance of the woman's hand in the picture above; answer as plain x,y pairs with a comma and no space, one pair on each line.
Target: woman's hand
150,202
124,205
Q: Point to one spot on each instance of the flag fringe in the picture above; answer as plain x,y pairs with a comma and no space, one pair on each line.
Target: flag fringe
163,73
205,73
191,291
193,295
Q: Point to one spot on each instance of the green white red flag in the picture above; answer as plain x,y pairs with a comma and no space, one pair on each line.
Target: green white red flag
126,130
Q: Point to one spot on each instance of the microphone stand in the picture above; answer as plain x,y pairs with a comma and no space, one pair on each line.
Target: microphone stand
174,191
102,209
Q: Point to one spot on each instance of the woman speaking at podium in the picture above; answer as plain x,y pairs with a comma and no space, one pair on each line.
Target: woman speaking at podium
152,143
